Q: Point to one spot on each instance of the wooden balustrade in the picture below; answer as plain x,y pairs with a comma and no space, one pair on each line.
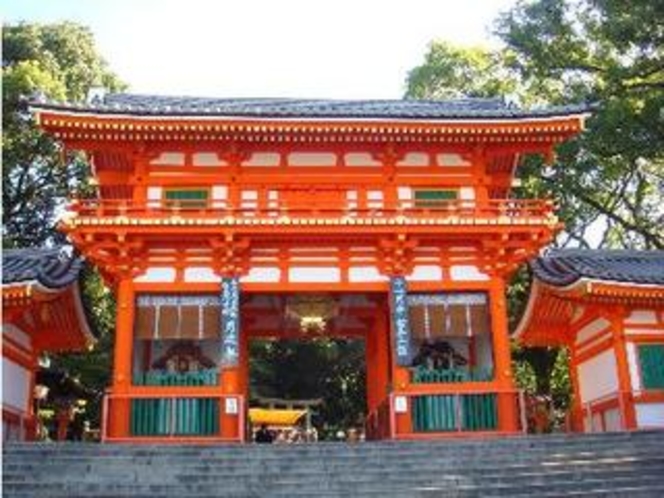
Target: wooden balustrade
462,209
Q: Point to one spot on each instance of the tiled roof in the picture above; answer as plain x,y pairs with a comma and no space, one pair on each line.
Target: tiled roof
154,105
53,267
564,267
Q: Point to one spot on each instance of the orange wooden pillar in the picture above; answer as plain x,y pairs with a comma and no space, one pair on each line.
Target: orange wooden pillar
625,396
234,370
371,354
120,408
577,415
400,376
504,380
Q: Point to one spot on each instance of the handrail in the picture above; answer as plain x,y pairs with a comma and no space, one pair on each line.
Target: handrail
492,208
172,397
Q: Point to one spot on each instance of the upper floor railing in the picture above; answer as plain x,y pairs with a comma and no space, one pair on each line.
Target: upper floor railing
461,210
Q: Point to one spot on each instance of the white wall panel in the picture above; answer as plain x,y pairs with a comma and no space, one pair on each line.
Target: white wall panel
314,274
598,376
591,329
200,274
467,273
633,364
17,335
642,317
262,275
649,415
15,385
365,274
426,273
157,274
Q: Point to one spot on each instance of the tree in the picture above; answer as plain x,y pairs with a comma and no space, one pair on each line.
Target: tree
60,62
608,53
333,370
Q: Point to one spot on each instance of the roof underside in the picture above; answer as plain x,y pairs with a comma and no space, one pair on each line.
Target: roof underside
457,109
53,268
565,267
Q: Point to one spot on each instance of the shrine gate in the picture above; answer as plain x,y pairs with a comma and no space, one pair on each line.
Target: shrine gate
219,220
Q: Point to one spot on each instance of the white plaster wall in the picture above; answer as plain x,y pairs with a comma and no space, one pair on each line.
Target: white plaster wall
467,193
467,273
360,159
598,376
451,160
414,159
612,420
200,274
591,329
262,275
426,273
312,159
263,159
642,317
365,274
633,364
17,335
169,159
154,196
649,415
157,274
313,274
207,159
15,385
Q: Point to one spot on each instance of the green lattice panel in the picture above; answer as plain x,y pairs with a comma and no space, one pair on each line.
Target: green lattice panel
651,358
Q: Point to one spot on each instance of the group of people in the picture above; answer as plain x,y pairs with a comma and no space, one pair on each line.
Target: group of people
265,435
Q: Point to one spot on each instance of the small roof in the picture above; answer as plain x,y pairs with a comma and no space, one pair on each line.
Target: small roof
565,279
561,268
275,416
53,268
159,105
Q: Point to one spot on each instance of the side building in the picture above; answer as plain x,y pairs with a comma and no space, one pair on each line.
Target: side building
220,221
42,312
607,308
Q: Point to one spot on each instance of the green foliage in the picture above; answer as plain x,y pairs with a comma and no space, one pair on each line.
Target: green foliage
60,62
451,71
315,368
611,179
610,53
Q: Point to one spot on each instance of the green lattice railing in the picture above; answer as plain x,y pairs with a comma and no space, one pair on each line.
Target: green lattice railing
175,416
450,375
208,377
453,412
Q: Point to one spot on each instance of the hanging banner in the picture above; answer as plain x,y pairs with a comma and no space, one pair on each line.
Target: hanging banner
400,320
230,321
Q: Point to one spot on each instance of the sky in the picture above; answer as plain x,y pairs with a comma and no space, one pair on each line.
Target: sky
343,49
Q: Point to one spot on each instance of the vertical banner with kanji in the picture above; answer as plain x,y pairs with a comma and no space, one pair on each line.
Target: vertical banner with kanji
400,320
230,321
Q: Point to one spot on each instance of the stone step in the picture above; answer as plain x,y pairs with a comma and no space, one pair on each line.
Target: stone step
557,465
428,490
205,471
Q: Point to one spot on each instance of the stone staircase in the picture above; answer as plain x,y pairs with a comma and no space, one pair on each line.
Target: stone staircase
620,465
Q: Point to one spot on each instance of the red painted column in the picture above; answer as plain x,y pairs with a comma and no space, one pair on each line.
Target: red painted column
372,371
504,380
626,397
119,408
577,406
